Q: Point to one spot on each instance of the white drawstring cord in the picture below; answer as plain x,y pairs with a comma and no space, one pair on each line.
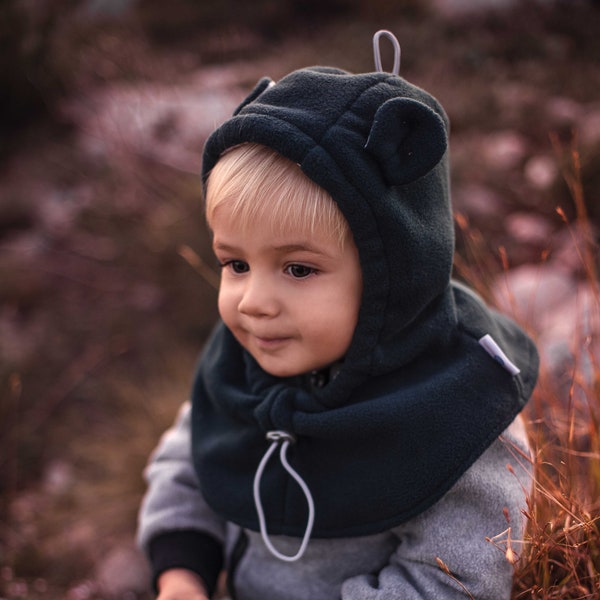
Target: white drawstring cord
283,438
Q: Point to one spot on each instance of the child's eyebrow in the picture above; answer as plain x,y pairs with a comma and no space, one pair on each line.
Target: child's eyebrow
299,248
281,248
224,247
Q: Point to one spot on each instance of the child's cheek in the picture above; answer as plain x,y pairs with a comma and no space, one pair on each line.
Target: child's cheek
224,302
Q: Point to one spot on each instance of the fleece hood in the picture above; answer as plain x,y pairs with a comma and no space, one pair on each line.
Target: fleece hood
417,399
378,145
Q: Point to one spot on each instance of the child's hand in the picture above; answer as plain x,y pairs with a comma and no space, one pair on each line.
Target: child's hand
181,584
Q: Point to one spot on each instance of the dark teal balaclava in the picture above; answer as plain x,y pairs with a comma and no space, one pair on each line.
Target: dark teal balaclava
417,398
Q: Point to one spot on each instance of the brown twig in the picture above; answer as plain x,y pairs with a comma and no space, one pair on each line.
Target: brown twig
196,262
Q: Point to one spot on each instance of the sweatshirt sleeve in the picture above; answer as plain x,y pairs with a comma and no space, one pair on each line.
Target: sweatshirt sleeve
176,528
457,548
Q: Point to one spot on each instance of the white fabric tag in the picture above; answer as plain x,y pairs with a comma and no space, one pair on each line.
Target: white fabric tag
492,348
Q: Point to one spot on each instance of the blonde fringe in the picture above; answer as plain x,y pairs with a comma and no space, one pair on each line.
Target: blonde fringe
259,184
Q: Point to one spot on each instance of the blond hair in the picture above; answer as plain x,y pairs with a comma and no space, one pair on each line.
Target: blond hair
258,183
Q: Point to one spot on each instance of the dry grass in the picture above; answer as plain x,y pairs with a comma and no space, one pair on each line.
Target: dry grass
561,555
561,558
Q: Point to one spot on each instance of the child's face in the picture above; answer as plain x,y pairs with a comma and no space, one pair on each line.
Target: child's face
291,299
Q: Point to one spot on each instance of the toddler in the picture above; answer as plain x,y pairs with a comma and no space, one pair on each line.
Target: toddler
353,431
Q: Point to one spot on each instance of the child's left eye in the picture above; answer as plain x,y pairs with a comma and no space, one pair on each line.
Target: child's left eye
300,271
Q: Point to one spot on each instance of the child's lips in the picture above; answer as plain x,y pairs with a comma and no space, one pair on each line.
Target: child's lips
270,342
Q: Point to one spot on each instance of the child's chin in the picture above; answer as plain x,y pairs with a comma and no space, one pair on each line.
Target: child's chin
282,370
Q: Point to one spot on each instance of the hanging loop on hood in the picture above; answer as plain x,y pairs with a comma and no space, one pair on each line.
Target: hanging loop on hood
282,439
377,50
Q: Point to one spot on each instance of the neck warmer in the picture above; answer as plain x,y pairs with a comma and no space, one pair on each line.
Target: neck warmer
417,399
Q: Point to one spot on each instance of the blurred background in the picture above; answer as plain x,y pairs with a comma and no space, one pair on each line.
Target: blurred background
107,288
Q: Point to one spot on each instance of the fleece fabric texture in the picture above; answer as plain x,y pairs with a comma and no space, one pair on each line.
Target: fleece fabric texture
416,400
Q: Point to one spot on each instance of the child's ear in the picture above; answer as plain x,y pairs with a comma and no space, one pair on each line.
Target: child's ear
261,86
407,138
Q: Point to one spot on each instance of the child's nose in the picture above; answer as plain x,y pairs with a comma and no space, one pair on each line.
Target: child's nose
259,298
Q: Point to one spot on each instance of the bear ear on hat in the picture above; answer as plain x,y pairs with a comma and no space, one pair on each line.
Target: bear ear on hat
260,87
407,138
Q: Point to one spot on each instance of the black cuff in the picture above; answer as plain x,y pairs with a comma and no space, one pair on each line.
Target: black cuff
192,550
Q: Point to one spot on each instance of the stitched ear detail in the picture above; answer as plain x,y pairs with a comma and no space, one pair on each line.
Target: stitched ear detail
261,86
407,138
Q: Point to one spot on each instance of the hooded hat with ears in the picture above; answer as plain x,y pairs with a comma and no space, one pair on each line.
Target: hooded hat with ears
417,399
378,145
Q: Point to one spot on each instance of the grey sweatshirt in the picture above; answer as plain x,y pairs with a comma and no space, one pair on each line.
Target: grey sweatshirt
462,538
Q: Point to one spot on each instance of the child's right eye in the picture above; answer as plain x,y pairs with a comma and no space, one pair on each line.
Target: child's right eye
237,266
